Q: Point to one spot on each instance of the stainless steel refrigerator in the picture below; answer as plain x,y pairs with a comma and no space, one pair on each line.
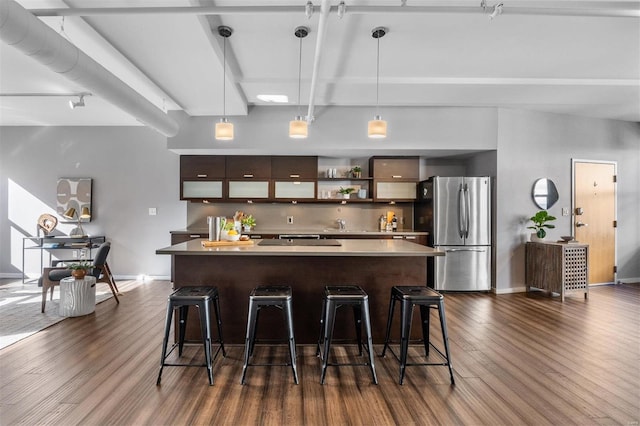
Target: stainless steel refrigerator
456,211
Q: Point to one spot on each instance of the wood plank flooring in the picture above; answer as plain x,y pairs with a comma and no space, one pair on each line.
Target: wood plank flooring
518,359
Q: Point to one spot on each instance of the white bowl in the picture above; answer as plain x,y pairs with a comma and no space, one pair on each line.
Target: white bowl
231,237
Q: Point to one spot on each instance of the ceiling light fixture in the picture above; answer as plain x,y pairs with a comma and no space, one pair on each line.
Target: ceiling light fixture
299,128
308,10
377,128
497,10
277,99
342,9
80,102
224,128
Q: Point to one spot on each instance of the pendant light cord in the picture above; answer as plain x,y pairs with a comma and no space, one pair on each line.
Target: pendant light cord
224,78
377,76
299,73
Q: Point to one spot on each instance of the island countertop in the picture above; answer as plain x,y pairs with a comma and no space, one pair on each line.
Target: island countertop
348,247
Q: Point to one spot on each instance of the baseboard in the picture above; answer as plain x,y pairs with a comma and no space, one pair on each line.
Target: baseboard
628,280
510,290
12,275
143,277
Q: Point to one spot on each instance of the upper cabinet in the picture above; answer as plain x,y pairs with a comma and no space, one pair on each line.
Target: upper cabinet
202,167
395,178
201,177
297,178
395,168
294,167
248,167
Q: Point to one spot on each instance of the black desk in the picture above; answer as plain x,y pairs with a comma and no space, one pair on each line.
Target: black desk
59,243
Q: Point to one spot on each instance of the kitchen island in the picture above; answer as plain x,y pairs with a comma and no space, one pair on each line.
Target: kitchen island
375,265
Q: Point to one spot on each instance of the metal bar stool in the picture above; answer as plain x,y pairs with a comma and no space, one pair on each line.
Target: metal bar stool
335,297
261,297
427,299
201,298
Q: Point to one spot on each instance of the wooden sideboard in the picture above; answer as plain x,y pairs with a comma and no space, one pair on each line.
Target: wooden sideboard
557,267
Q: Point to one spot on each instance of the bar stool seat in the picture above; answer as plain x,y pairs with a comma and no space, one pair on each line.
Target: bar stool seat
427,299
279,297
202,298
335,297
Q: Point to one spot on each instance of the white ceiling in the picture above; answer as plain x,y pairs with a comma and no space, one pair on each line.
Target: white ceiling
545,61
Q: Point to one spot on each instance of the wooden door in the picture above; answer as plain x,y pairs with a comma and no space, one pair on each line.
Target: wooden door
594,216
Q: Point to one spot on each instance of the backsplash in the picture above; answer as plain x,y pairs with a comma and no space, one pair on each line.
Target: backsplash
307,216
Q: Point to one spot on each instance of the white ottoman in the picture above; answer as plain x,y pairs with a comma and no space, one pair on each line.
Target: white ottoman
77,297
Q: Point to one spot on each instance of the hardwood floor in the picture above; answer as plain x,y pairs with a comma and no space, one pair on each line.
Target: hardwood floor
518,359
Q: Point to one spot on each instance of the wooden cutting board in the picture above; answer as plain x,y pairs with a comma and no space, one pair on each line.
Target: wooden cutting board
207,243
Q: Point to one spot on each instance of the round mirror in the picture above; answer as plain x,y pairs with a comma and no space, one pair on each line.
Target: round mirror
544,193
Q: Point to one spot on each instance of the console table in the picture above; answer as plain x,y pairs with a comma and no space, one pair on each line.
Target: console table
557,267
50,244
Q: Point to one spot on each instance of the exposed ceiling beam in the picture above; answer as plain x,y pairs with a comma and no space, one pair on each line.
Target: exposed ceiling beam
584,9
322,25
31,36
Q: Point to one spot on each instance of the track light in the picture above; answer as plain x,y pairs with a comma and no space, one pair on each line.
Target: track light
497,10
342,8
80,103
308,10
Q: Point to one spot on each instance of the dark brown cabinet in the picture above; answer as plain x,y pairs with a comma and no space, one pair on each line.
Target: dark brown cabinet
294,167
201,177
248,167
202,167
395,168
395,178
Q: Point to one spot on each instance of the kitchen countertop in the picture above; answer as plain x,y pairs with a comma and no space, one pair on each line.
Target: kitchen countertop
326,231
348,247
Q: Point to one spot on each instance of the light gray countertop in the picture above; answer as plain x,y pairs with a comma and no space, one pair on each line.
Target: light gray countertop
321,232
348,247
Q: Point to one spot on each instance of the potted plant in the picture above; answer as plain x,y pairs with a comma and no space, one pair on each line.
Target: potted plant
539,224
346,192
248,222
356,172
79,269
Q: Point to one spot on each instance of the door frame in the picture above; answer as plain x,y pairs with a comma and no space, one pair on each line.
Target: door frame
615,205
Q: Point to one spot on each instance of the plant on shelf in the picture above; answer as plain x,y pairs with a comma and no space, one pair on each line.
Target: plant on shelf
79,269
540,223
346,191
248,222
356,172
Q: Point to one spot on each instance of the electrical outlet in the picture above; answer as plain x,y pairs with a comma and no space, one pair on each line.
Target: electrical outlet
565,211
153,211
74,254
290,220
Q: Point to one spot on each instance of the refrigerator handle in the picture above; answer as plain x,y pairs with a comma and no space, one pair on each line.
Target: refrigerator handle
467,211
469,249
461,218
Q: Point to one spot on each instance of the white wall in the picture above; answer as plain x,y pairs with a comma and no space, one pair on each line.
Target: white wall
532,145
133,170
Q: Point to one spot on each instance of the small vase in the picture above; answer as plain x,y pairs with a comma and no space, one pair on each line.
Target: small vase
246,228
78,274
535,239
346,196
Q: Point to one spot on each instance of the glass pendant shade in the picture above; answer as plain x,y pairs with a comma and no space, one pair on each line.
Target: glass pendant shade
224,130
298,128
377,128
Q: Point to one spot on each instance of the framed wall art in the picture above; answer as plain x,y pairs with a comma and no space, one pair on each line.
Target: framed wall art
76,193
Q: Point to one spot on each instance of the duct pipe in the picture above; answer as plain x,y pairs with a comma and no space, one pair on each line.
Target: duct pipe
25,32
325,8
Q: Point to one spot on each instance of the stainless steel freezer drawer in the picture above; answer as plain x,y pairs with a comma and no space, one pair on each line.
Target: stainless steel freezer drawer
463,268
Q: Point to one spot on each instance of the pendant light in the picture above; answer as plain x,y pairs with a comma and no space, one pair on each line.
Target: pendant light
298,128
224,128
377,128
